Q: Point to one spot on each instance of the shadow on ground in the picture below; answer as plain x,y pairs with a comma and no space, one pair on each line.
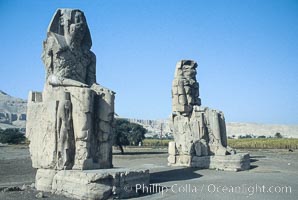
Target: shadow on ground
156,178
253,160
257,156
180,174
139,153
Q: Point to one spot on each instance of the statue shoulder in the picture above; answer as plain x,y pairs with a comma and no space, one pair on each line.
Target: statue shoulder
55,41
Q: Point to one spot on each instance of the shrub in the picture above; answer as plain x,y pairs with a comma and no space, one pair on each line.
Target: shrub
127,133
11,136
278,135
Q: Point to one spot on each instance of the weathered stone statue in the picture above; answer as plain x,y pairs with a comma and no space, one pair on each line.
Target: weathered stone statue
70,124
74,112
198,131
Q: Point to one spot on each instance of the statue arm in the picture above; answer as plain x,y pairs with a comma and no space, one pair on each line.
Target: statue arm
91,73
57,81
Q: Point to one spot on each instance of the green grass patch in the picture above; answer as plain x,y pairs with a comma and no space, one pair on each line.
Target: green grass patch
264,143
248,143
156,142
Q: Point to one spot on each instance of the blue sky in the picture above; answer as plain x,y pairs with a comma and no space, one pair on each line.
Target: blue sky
247,53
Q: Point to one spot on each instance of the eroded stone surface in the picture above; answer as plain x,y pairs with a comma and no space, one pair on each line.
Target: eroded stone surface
92,184
198,131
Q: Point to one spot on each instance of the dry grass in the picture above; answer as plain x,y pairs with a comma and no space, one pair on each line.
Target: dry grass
264,143
249,143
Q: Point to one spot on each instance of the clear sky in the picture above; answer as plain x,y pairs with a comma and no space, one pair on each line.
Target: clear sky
247,53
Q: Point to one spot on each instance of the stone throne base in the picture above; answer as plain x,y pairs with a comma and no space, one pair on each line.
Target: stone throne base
236,162
92,184
202,159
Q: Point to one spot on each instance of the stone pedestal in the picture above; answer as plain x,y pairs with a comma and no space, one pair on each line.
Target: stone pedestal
92,184
237,162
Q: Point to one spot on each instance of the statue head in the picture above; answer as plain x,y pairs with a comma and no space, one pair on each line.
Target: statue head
185,88
186,69
71,23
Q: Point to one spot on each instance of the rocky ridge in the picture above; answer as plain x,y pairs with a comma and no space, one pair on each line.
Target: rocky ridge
12,111
234,129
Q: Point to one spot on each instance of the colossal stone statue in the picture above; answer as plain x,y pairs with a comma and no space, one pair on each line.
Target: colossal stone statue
70,123
198,131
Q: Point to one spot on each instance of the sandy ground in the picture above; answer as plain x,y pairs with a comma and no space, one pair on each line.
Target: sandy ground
273,176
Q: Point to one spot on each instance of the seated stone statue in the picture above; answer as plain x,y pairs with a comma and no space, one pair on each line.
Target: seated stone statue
198,131
70,123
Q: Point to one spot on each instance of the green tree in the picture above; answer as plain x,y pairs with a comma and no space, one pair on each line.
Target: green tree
136,134
120,133
245,136
127,133
278,135
11,136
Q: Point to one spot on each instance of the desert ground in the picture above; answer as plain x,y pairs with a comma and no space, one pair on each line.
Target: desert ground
273,175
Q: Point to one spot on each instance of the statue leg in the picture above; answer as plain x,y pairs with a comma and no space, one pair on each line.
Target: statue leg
216,133
82,113
222,124
104,115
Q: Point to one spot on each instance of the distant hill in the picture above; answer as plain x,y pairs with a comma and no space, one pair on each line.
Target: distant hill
235,129
155,127
12,111
13,115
